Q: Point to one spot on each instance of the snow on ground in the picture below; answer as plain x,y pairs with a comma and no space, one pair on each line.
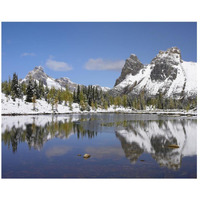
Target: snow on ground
19,106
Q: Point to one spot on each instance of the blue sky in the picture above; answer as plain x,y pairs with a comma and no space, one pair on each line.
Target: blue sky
89,53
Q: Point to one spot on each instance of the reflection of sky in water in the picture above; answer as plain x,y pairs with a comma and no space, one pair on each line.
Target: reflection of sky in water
105,152
118,141
57,151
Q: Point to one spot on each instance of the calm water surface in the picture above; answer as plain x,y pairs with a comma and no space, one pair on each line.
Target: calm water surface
121,146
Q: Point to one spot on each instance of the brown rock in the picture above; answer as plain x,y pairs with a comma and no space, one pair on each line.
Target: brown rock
173,146
86,156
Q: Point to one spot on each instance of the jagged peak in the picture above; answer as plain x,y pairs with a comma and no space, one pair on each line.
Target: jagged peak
39,68
174,50
134,58
173,54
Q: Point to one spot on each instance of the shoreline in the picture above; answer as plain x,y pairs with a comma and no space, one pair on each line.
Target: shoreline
165,113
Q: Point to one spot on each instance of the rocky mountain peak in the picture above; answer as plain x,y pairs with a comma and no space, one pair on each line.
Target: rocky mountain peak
164,64
167,73
171,55
134,58
38,68
131,66
37,73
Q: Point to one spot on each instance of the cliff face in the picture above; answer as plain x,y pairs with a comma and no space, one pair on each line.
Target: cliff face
167,73
132,66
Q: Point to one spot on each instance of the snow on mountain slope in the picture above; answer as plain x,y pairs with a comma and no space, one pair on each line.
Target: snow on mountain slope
190,69
167,73
38,74
52,83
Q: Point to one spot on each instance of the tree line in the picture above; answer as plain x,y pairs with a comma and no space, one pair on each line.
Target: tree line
88,97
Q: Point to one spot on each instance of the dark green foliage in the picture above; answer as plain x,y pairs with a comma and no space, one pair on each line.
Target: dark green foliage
15,88
29,91
41,89
6,87
78,95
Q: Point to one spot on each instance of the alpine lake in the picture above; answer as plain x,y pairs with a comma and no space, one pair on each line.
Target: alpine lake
119,146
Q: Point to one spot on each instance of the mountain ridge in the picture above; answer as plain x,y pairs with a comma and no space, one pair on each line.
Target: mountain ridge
167,73
38,74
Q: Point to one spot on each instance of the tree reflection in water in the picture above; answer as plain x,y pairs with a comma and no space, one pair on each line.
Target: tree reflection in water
136,136
37,135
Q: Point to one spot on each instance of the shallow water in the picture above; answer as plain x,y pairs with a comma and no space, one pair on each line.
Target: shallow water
120,145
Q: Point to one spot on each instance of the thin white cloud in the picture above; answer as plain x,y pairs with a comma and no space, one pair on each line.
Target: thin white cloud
57,65
100,64
28,54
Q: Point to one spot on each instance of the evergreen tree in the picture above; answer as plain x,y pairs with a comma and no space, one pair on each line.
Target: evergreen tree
105,104
74,97
9,85
118,101
29,91
41,89
36,90
171,103
78,94
134,104
4,88
142,100
70,102
96,95
15,89
124,101
160,100
82,101
93,105
56,102
23,88
51,97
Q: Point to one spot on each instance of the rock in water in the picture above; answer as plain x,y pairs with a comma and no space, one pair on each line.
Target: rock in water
87,156
173,146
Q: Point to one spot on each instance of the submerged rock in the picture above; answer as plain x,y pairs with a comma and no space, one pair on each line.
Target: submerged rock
173,146
86,156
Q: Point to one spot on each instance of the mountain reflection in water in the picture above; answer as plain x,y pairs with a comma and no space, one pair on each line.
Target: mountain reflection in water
136,134
154,137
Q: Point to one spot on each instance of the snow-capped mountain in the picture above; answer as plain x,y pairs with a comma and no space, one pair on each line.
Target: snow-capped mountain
167,73
66,81
38,74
